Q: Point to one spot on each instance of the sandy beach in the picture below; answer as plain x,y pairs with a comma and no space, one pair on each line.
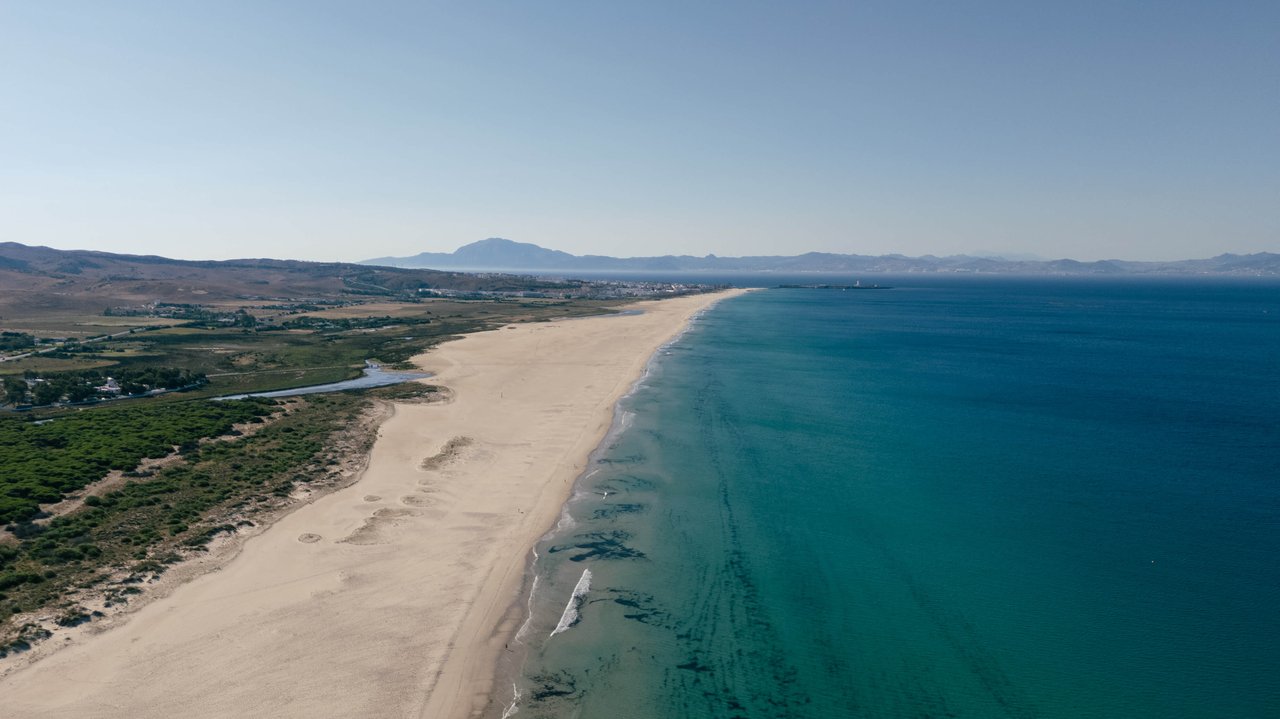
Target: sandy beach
394,596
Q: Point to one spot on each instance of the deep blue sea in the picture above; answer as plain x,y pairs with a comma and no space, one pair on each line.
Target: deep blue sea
980,498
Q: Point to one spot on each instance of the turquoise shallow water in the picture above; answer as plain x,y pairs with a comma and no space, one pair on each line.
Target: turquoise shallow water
965,499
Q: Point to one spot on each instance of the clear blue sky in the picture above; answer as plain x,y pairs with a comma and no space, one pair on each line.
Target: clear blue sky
325,130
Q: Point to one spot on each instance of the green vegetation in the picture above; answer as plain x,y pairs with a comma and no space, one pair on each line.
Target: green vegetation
10,341
284,348
36,388
195,315
39,463
351,323
129,535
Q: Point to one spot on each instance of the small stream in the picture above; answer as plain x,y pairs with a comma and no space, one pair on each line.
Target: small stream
373,376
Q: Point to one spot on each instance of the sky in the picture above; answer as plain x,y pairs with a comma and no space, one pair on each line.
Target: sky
349,130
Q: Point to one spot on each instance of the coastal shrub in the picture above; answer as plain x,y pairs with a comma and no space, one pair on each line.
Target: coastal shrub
73,617
40,463
7,555
9,580
182,506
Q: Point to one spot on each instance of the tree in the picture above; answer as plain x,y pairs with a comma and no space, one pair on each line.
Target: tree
15,391
46,393
79,392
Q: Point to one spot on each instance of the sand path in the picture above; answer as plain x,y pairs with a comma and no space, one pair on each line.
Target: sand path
392,597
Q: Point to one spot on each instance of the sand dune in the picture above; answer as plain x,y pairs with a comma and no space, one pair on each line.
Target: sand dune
394,596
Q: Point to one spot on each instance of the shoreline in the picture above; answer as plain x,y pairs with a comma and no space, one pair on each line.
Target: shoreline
395,595
508,620
508,666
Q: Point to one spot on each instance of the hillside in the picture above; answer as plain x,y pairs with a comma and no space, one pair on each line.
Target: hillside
42,279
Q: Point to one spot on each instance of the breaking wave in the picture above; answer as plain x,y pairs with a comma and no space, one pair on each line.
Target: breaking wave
570,616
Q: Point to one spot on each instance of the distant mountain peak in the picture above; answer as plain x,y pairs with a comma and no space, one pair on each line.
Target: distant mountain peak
490,253
496,242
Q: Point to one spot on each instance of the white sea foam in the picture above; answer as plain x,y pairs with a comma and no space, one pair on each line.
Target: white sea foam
570,616
623,419
515,699
533,590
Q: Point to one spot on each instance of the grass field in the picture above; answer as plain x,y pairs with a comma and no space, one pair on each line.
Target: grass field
73,325
53,364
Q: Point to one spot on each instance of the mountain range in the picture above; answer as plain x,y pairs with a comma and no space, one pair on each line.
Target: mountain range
43,279
497,254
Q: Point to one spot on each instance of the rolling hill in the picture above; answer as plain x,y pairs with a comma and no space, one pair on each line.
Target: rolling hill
42,279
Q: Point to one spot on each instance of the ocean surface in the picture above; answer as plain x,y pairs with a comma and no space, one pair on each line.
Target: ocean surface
979,498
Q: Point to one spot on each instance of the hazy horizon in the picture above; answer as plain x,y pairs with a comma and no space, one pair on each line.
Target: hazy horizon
326,131
1011,256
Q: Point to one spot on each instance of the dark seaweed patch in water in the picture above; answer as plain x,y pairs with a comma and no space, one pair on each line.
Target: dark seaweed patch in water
629,459
730,597
644,608
693,665
625,483
613,510
560,685
600,545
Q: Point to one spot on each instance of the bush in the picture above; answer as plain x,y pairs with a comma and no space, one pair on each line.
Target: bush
90,444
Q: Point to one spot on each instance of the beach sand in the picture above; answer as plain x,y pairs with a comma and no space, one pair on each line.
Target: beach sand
394,596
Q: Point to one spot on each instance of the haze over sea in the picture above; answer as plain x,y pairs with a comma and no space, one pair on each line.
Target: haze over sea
977,498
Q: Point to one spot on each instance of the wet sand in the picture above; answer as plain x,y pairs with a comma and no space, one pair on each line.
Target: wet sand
394,596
